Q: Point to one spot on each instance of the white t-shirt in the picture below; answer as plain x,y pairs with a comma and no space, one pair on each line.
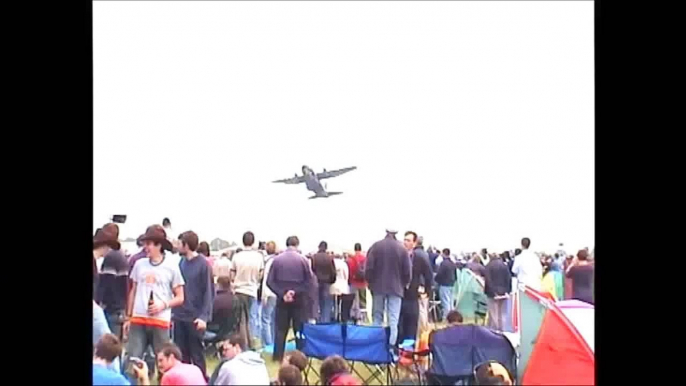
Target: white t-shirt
341,285
266,292
159,279
248,264
528,269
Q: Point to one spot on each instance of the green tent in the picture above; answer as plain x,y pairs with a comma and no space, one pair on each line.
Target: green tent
468,294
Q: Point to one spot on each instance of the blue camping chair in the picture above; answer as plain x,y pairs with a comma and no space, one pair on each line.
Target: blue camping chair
363,345
319,342
368,346
458,350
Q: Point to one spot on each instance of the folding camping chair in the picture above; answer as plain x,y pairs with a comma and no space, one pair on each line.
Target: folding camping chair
367,346
370,347
434,314
319,342
458,350
410,359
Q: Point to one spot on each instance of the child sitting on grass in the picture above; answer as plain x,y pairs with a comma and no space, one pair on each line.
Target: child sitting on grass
334,372
295,358
289,375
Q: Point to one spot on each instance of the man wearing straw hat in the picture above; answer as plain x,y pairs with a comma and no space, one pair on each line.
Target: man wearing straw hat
157,288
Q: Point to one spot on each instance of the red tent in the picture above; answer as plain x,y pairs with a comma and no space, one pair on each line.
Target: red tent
552,351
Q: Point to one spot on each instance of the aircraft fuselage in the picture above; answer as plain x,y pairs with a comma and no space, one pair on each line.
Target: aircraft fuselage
313,184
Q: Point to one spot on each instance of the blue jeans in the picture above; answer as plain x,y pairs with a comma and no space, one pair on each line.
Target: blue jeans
254,318
508,315
391,304
268,325
445,293
325,303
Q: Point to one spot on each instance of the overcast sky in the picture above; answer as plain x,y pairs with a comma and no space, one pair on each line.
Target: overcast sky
470,122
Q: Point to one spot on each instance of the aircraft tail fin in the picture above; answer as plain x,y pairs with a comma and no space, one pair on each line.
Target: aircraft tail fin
334,193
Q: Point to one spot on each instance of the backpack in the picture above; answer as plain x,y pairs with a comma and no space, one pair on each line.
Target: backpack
358,275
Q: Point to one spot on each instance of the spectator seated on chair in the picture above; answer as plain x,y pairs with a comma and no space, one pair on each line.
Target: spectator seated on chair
289,375
334,372
295,358
240,367
174,372
107,349
492,373
454,318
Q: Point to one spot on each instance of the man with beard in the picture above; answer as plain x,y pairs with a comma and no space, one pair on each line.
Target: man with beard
418,290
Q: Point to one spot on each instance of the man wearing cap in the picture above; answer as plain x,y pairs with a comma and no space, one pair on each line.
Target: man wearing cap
190,319
157,288
388,271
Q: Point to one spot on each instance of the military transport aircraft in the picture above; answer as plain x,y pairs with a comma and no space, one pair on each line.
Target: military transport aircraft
313,182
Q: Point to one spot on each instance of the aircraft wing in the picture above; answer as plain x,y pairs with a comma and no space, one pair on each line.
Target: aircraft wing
291,181
334,173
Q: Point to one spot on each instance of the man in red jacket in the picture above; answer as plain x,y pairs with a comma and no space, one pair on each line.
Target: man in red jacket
356,265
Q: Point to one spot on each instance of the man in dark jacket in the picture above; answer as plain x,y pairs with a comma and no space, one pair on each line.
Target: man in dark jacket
433,255
112,290
388,271
291,280
224,319
325,270
425,285
190,319
498,285
446,278
418,290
